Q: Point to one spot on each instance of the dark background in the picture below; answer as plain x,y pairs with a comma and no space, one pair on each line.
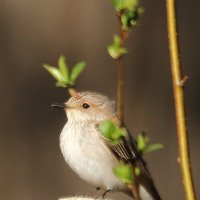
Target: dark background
37,32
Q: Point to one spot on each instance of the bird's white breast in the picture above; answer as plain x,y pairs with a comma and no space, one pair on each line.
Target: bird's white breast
87,155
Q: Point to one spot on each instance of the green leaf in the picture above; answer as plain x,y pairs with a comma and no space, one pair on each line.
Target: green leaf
129,18
107,128
116,50
111,131
61,84
116,41
61,73
76,70
140,11
142,141
124,172
124,21
121,5
153,147
54,72
137,171
144,146
63,68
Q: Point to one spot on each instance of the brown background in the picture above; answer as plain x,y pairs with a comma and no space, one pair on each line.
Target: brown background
33,32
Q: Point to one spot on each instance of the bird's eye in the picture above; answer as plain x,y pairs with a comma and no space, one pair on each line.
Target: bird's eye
85,105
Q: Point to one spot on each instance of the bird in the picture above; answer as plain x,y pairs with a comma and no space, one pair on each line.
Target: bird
90,155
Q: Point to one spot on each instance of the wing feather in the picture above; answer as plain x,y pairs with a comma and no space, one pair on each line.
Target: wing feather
126,150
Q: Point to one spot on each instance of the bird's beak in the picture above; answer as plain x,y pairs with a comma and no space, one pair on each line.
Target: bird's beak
59,105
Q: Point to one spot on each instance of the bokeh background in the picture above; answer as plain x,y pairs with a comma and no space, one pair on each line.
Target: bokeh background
34,32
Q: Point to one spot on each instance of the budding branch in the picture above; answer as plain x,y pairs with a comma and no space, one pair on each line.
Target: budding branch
178,83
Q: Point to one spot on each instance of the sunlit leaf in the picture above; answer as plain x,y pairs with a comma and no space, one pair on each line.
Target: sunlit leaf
54,72
61,84
153,147
116,52
61,73
124,172
137,171
124,4
116,49
142,140
116,41
63,68
129,18
143,145
76,70
111,131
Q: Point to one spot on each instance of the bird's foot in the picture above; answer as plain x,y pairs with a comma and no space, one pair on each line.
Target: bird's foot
94,191
105,193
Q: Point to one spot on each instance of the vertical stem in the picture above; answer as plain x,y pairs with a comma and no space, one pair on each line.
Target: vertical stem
120,90
120,97
179,102
120,74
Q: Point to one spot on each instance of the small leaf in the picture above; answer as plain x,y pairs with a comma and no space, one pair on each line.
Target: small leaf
117,41
144,146
111,131
107,128
140,11
76,70
54,72
141,142
61,84
116,50
124,21
129,18
124,4
63,68
137,171
124,172
61,73
153,147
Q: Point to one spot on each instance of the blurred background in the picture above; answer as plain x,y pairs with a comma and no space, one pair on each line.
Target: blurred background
34,32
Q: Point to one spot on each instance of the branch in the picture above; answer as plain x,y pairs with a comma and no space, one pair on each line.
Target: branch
120,74
120,90
120,96
178,83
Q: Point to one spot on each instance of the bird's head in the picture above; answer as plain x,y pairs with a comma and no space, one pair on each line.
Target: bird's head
86,107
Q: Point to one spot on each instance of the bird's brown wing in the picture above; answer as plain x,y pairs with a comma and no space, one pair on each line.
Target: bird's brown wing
126,150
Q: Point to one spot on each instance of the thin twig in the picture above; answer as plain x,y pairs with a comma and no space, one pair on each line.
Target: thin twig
120,90
120,74
183,81
120,96
134,188
179,102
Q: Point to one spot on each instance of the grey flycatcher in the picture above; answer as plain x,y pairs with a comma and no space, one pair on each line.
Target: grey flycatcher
88,153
